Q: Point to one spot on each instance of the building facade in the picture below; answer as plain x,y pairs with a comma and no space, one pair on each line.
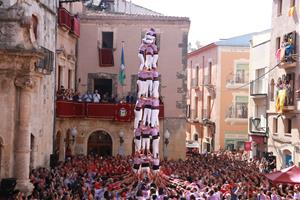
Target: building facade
103,34
27,46
258,104
283,111
218,98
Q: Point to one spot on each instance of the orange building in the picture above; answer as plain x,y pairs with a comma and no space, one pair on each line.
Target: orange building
217,100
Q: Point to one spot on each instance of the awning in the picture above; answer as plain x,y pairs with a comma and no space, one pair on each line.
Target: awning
290,175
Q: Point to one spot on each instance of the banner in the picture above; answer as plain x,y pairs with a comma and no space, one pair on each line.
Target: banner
247,146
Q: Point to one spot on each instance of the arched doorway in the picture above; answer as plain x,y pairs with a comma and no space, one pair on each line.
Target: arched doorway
287,158
100,143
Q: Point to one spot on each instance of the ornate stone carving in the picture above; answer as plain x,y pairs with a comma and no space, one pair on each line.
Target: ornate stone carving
25,82
6,32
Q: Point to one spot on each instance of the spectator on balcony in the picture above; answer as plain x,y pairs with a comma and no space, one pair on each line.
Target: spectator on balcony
88,97
116,99
96,97
60,93
106,98
77,97
129,98
69,94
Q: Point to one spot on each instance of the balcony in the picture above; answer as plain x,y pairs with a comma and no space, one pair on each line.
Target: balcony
207,80
237,114
64,18
257,126
104,111
258,89
286,55
195,84
287,97
45,65
75,26
237,80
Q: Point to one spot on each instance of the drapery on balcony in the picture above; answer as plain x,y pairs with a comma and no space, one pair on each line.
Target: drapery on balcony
106,57
237,112
70,109
64,18
105,111
99,110
75,26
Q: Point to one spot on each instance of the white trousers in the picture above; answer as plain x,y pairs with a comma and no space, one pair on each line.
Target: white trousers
138,144
145,143
155,59
149,61
142,61
155,89
138,114
149,86
154,117
155,147
142,88
147,115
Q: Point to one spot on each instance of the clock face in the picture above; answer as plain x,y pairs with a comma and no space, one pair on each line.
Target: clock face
122,112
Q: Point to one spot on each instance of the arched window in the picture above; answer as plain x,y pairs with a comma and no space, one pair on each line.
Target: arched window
272,86
35,26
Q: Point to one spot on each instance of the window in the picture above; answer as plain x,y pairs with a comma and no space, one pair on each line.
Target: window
275,125
241,106
208,106
209,72
279,7
241,73
60,74
69,79
288,126
278,44
106,55
290,85
188,111
196,107
35,26
298,89
272,84
107,40
197,76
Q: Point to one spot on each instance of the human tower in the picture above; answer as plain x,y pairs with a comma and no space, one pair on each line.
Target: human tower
146,122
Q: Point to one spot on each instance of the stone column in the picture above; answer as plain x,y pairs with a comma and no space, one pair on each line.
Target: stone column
22,138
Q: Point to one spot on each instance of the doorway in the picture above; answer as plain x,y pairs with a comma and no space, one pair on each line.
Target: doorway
100,143
104,87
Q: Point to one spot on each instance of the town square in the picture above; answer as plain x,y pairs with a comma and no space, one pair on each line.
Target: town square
149,100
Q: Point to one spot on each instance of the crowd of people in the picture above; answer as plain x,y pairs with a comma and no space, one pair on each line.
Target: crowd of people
89,97
212,176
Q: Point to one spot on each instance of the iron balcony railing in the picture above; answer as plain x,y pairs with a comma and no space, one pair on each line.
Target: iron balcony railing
237,112
257,87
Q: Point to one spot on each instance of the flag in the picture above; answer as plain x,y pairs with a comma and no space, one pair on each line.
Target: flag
122,75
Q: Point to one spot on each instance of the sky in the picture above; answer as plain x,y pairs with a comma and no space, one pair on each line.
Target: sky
212,20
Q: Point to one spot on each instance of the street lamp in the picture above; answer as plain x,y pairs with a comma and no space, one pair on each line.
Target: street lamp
166,141
73,134
121,135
